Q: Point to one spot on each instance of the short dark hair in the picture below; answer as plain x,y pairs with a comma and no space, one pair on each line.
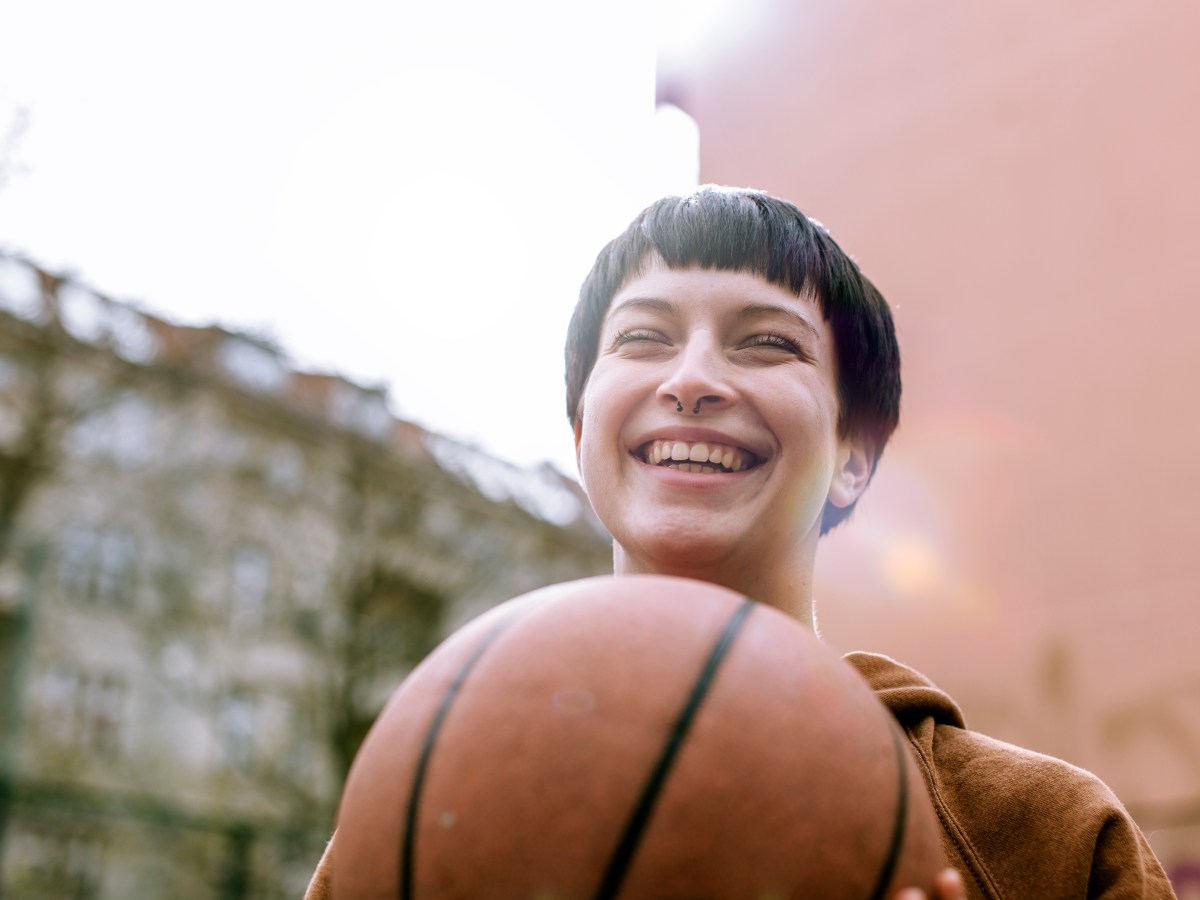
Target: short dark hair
746,230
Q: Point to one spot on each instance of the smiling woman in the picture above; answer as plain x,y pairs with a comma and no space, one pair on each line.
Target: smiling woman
697,359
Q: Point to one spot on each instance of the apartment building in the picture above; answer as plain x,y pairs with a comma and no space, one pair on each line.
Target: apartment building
214,569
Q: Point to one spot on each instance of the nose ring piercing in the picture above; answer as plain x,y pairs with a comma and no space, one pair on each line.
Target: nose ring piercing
678,406
696,408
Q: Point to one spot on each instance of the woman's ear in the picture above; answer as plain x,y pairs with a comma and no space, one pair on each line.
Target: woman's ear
856,460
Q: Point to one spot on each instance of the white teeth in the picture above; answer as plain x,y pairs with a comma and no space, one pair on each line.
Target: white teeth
698,457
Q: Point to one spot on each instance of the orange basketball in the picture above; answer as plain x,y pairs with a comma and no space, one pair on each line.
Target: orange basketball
634,737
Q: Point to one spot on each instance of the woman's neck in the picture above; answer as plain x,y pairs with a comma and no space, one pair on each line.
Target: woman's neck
787,586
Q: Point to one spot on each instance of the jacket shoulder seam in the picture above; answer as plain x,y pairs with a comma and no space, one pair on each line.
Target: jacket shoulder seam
978,872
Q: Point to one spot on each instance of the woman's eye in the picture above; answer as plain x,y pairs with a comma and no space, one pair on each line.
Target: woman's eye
773,340
635,335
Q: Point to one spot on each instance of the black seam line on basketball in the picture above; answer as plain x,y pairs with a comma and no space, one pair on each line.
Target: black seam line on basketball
618,865
407,856
893,855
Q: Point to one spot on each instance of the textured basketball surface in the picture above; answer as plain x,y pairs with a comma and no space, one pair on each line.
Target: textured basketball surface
634,737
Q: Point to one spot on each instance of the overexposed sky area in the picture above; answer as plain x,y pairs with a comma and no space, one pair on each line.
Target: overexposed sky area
403,193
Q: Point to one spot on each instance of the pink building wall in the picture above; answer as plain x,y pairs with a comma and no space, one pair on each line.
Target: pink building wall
1020,180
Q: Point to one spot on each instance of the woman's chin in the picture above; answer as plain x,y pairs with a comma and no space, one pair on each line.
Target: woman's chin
692,552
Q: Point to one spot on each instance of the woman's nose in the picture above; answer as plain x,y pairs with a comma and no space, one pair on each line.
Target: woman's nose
696,381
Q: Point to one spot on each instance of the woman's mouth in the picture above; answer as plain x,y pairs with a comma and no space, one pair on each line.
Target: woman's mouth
699,457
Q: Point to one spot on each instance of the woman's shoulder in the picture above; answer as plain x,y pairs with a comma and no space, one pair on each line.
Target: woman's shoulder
964,760
1016,822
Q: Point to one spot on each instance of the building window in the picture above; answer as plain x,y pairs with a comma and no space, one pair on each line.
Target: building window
124,431
236,715
97,565
84,710
62,864
249,588
98,320
284,470
20,290
252,365
362,409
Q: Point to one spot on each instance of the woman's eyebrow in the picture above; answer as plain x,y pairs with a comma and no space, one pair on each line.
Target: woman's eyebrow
653,304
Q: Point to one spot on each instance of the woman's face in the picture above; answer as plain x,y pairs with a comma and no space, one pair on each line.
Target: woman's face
708,438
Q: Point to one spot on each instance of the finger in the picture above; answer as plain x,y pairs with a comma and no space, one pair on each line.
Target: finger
910,894
949,885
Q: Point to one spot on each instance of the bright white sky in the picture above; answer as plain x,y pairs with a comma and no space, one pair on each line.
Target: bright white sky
403,193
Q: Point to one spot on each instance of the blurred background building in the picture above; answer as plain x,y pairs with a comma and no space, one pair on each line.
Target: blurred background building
1020,181
214,569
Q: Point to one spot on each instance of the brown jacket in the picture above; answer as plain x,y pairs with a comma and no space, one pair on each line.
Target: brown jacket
1017,824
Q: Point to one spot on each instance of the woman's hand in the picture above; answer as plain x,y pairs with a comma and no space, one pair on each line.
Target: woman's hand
948,885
